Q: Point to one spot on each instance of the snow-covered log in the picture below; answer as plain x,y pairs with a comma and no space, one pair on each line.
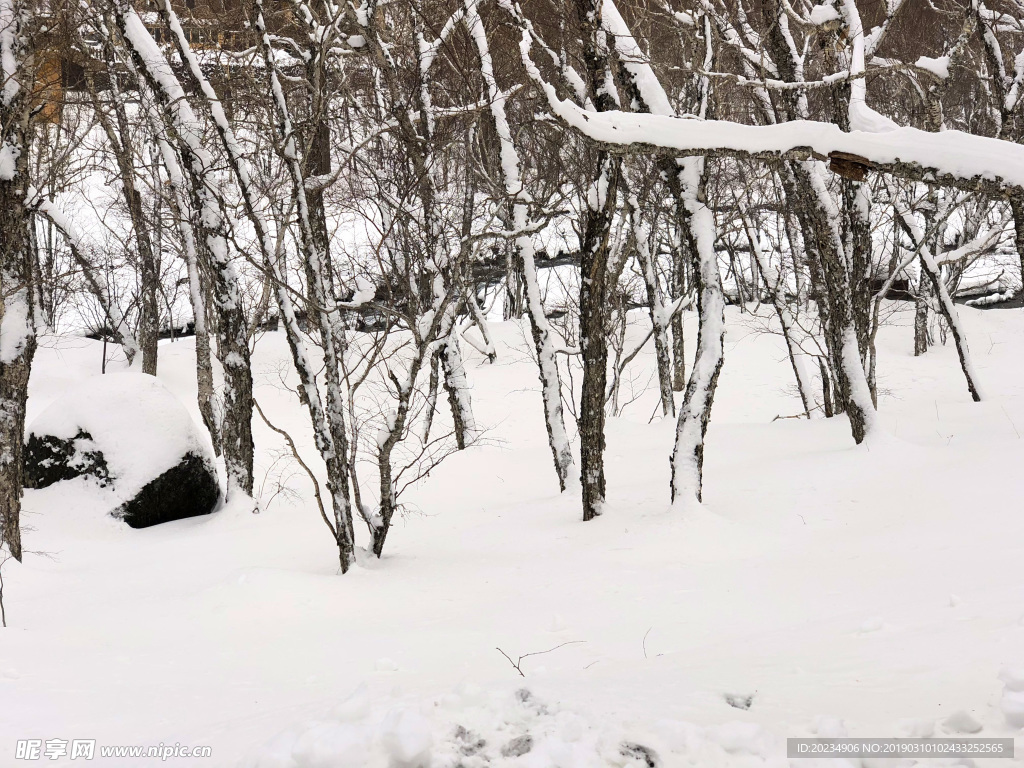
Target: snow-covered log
951,158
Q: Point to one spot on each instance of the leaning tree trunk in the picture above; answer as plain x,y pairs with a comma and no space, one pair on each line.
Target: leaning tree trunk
232,335
775,284
197,293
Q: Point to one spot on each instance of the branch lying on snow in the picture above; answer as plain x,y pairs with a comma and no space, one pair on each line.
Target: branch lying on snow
519,664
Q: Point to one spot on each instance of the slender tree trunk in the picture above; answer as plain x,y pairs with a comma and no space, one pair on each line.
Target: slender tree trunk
197,294
1017,207
687,461
457,387
949,312
209,222
921,316
777,293
857,213
119,138
656,307
679,289
523,251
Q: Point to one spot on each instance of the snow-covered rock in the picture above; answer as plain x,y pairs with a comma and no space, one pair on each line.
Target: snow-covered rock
127,431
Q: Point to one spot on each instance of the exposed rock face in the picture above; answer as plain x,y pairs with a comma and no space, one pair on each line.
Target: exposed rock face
50,459
129,433
188,489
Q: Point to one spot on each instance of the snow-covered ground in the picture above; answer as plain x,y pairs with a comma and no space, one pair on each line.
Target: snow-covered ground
874,591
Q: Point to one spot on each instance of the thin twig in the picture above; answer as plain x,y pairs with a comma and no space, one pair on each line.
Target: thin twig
517,665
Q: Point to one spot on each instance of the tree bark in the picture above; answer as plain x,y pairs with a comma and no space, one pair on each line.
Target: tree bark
594,257
17,300
921,316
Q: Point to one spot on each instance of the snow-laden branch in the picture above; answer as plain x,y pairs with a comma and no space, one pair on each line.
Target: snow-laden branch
950,158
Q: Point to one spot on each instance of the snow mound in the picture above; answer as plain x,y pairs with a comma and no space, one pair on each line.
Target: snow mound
141,429
470,728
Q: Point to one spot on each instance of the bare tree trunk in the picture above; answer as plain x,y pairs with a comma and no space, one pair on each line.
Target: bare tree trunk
594,272
17,321
457,387
119,138
687,459
949,312
231,327
857,214
1017,207
515,293
921,316
197,294
687,181
149,268
431,406
678,339
810,199
522,254
656,306
594,289
777,293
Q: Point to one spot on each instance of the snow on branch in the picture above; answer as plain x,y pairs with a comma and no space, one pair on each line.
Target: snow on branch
950,158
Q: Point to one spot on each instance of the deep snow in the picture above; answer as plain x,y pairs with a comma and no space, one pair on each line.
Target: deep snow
874,590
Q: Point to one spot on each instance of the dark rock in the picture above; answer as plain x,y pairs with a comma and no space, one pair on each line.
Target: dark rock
50,459
188,489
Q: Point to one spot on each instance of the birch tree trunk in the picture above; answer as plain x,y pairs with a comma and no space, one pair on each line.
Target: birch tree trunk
17,322
523,252
119,138
209,223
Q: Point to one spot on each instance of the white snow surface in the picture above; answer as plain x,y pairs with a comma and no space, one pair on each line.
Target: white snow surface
140,426
815,579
